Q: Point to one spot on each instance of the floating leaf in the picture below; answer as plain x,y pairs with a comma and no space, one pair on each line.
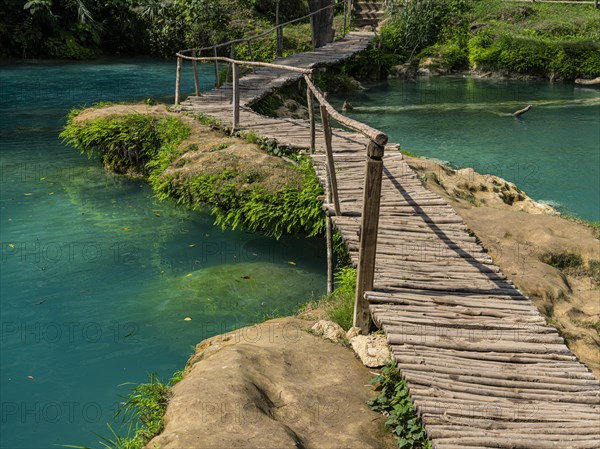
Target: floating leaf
188,275
28,194
157,215
50,193
292,263
192,245
246,277
11,245
187,318
125,229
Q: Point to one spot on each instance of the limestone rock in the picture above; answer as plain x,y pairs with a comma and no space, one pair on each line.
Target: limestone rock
353,332
372,350
273,386
407,70
329,330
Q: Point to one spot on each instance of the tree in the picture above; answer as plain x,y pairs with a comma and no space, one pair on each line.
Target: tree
322,22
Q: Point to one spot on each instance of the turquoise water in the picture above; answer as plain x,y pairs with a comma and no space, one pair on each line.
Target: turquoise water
97,276
551,152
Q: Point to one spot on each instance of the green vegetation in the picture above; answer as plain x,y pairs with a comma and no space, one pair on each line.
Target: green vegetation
394,402
340,304
143,145
573,265
540,39
126,144
142,413
80,29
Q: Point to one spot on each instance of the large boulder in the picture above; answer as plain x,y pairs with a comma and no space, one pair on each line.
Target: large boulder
272,386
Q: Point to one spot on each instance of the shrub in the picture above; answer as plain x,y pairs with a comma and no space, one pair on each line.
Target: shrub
394,402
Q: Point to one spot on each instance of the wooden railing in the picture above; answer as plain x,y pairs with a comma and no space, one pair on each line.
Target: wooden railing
373,172
277,29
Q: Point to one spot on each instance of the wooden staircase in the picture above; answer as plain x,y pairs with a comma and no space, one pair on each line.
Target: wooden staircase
368,13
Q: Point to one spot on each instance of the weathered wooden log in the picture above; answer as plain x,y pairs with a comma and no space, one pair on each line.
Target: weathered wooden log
331,175
235,98
196,78
373,134
178,83
216,66
522,111
587,82
368,235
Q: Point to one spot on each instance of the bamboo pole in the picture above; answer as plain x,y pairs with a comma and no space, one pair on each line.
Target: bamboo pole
196,78
329,236
178,82
311,118
235,97
368,235
332,184
217,81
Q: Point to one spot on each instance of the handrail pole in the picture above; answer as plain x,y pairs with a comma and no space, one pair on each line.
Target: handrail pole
345,11
235,98
368,235
250,50
232,57
264,33
331,175
279,31
196,78
217,80
311,117
178,82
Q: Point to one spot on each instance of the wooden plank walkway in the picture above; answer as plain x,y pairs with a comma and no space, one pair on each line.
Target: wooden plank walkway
484,368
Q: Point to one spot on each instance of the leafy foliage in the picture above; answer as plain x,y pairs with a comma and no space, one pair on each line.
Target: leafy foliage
340,304
553,40
126,144
138,144
395,403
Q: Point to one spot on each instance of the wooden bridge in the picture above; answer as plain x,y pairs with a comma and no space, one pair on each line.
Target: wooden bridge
483,367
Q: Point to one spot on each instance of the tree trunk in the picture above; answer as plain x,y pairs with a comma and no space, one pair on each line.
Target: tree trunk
322,23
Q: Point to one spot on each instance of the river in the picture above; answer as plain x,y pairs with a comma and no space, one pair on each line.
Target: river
552,152
102,284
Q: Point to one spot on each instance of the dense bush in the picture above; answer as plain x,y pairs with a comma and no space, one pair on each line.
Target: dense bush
78,29
557,41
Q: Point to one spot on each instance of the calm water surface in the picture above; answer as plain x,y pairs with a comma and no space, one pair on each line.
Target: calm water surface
552,152
97,276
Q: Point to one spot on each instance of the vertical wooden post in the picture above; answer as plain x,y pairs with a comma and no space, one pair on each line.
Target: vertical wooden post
178,82
235,97
231,56
217,81
196,78
330,162
368,234
329,236
250,50
311,118
278,31
345,11
312,31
